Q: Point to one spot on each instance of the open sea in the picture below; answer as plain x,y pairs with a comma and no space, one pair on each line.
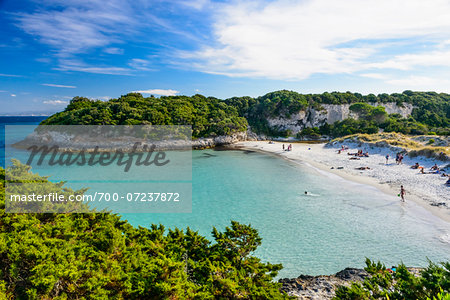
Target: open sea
336,226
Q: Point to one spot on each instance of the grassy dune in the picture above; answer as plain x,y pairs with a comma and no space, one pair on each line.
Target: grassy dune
424,145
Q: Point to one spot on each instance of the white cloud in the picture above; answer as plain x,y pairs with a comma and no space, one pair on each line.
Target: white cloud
60,85
419,82
10,75
55,102
409,61
79,66
79,26
73,28
13,95
294,39
103,98
195,4
140,64
374,75
113,50
158,92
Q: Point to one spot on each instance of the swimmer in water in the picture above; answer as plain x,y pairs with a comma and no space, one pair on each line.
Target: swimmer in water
306,193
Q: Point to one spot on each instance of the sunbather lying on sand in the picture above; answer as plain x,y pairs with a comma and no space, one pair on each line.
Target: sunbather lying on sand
432,172
363,168
415,166
360,153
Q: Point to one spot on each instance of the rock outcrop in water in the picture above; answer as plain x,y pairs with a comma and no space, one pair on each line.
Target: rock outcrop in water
69,141
203,143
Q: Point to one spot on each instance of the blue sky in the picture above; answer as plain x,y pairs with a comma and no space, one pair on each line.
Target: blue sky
53,50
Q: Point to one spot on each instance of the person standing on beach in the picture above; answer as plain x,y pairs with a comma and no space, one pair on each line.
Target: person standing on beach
387,158
283,147
402,193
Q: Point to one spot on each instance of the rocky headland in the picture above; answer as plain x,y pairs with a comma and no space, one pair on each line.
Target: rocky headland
80,141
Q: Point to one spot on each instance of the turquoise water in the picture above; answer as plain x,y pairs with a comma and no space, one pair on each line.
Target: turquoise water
4,120
337,226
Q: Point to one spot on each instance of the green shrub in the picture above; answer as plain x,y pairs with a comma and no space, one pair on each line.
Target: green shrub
433,282
101,256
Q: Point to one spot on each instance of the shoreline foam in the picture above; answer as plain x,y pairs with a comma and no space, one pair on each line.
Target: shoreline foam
422,189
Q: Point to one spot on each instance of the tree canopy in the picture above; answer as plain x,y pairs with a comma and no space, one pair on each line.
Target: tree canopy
100,256
210,116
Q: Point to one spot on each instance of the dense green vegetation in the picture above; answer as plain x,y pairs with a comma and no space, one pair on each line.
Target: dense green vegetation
432,283
208,116
212,116
101,256
431,112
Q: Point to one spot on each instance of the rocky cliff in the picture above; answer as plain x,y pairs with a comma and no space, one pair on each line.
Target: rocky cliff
329,114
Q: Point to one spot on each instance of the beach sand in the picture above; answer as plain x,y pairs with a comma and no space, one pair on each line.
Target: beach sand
425,190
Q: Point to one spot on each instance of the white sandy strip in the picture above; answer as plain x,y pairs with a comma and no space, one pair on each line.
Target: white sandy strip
423,189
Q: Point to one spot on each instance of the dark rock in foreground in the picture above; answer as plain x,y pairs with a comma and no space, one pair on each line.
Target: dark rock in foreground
324,286
320,287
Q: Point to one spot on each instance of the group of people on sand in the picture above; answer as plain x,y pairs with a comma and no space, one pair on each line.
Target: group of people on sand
360,153
355,156
289,147
399,160
433,170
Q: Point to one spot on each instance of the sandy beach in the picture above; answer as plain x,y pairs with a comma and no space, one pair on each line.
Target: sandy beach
426,190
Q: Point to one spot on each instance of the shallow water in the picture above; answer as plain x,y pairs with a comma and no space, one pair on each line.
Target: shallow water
336,225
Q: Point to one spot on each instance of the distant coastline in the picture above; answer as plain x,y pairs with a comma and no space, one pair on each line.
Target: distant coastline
26,115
